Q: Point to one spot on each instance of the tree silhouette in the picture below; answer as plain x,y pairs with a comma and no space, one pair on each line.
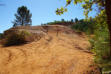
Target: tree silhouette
76,20
23,17
62,20
72,20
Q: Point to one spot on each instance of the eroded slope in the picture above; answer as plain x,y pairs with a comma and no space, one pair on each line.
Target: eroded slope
52,54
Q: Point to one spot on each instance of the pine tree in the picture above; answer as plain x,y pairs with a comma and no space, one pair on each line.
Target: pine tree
23,17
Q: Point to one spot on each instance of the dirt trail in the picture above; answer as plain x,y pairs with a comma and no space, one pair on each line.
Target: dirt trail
52,54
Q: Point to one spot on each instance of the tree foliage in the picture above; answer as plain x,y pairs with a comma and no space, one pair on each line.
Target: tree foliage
23,17
76,20
86,26
101,41
86,4
61,22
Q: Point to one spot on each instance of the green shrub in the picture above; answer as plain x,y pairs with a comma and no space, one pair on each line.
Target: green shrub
101,48
84,26
17,38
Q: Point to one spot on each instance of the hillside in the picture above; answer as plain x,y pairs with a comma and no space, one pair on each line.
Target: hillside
62,53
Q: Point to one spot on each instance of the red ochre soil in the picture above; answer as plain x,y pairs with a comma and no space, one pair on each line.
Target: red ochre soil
64,53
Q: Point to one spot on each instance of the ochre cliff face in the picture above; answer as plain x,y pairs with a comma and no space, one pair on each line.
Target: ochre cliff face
65,53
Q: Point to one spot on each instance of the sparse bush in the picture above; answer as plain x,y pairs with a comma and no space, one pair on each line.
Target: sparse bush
17,38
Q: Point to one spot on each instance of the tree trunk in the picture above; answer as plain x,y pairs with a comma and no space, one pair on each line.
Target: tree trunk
108,13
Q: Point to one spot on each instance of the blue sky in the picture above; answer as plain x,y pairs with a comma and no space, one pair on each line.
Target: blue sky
43,11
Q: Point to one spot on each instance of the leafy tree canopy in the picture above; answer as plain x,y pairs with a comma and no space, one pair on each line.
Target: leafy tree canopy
86,4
